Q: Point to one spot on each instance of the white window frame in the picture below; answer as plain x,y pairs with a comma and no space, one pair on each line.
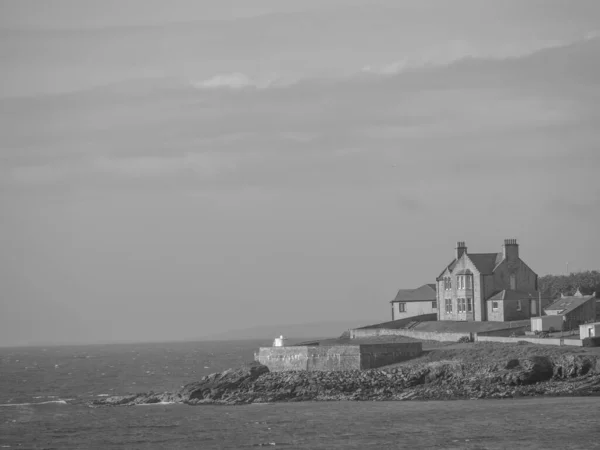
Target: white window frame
401,307
495,306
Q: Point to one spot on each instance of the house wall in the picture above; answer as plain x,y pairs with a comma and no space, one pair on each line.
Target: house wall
454,294
525,277
412,309
508,310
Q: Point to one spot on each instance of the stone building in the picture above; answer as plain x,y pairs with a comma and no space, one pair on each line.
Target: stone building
414,302
496,287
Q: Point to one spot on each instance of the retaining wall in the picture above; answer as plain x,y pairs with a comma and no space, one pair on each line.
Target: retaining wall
359,333
519,331
542,341
336,357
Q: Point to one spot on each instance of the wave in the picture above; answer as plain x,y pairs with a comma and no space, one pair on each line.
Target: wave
159,403
58,402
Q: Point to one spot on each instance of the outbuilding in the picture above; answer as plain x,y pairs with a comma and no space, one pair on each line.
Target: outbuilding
589,330
545,323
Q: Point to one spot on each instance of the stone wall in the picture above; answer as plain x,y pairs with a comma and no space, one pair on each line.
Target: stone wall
360,333
506,332
377,355
336,357
541,341
401,323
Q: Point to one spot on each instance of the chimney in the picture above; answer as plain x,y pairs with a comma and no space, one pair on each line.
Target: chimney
510,250
461,248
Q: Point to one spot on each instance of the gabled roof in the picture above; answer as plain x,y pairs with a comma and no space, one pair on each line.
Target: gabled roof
426,293
485,262
567,304
509,294
448,267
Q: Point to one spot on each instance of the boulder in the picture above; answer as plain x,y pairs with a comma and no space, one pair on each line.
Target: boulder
529,370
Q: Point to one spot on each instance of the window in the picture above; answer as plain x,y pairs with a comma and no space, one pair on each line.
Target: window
469,280
434,304
447,283
460,282
518,305
448,305
469,305
494,306
513,281
401,307
462,305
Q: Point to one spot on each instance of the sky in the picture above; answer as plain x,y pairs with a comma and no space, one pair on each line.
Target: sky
170,170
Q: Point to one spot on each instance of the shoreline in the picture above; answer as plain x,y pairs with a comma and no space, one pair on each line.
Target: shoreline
472,374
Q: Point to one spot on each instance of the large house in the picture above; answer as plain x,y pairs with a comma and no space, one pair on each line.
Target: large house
414,302
497,287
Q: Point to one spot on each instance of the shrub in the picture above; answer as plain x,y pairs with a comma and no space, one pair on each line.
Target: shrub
464,339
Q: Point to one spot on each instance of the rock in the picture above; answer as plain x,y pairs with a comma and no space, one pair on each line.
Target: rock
215,385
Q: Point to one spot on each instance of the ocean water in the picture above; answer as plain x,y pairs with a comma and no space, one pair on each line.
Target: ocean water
44,394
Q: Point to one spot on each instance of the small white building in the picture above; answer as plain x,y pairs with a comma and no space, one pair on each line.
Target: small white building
544,323
415,302
589,330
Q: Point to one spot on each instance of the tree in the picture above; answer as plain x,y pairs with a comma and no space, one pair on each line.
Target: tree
587,282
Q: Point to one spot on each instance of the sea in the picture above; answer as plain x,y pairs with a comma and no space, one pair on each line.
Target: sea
45,394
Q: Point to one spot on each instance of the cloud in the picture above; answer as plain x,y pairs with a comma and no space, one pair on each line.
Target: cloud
236,81
197,165
454,51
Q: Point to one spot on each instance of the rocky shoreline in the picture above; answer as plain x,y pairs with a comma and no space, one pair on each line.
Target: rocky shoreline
564,375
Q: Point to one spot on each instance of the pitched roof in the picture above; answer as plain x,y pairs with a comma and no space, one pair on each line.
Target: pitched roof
449,267
485,262
568,304
509,294
424,293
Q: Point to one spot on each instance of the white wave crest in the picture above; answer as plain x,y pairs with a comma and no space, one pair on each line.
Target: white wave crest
58,402
159,403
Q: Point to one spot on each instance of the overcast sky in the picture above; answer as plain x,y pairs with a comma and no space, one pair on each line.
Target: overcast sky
173,169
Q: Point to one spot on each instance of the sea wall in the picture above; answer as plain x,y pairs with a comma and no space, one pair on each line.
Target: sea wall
336,357
361,333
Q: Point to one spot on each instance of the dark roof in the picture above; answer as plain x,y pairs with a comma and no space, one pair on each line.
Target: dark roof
509,294
422,294
568,304
485,262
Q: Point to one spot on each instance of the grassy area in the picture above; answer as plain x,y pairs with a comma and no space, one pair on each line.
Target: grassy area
490,352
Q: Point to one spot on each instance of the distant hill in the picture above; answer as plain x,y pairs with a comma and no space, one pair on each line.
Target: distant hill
292,331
